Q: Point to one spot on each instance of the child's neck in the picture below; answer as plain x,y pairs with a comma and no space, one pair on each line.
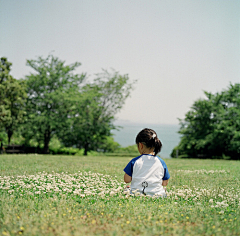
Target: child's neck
148,153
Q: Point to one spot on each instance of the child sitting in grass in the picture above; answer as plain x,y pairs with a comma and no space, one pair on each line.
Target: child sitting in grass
147,173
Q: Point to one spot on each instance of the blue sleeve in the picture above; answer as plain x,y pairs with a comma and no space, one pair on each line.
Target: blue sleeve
129,168
166,173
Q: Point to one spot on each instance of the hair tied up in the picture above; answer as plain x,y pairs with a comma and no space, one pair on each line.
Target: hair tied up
149,138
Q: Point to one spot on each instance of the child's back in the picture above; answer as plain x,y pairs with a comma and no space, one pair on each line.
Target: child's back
147,172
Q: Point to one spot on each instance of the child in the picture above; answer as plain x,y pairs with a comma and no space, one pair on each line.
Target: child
147,173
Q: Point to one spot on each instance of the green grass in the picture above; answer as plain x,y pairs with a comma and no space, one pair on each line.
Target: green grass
203,199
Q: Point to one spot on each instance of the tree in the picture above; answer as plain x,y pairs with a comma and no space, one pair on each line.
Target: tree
109,145
212,127
100,101
52,92
12,98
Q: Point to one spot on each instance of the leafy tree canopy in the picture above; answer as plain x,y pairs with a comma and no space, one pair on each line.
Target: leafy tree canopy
65,105
12,98
52,92
93,118
211,129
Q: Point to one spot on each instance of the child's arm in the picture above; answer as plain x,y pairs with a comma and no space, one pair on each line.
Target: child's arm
127,178
164,182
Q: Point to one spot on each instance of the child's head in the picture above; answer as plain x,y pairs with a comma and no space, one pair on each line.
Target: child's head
148,137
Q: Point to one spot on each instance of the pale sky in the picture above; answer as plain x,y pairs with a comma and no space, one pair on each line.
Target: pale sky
176,49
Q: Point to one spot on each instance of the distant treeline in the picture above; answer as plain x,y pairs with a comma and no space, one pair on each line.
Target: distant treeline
53,110
211,129
54,106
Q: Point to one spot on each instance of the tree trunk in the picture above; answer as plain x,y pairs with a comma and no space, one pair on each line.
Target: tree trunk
9,133
47,138
86,149
46,148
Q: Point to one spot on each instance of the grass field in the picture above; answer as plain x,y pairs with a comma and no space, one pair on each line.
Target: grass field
69,195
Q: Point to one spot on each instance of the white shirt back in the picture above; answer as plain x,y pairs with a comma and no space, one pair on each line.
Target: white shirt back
147,172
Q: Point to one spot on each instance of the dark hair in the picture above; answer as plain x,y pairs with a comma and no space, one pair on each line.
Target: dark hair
149,138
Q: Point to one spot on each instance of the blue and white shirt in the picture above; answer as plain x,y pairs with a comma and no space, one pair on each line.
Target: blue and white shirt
147,172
